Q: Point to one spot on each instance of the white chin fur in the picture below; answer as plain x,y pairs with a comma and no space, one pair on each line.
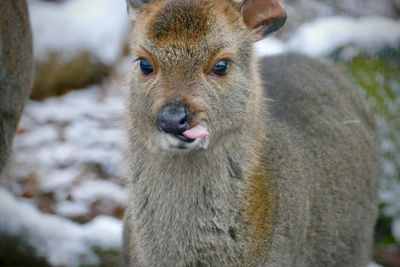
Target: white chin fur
171,143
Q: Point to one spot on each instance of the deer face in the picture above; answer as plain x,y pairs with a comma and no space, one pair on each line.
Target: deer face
194,75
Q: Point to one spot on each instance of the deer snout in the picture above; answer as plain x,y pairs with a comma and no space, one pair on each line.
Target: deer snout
173,119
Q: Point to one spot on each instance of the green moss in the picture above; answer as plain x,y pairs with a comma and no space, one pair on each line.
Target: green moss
379,78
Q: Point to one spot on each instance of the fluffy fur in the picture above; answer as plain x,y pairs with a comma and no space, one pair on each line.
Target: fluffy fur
288,176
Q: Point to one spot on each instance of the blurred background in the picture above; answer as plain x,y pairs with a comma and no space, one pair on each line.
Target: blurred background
64,196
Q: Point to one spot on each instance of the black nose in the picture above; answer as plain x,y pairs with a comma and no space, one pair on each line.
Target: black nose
173,119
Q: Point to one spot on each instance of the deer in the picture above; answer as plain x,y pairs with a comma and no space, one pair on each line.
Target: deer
236,160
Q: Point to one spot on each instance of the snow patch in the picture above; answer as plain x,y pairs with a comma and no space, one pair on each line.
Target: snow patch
80,129
90,191
373,264
269,46
71,209
39,136
71,149
396,230
71,27
324,35
57,179
59,240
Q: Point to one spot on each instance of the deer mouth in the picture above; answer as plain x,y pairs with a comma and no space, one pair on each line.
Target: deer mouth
184,138
193,138
194,133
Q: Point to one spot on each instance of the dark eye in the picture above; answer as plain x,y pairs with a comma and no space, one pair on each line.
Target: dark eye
221,67
145,66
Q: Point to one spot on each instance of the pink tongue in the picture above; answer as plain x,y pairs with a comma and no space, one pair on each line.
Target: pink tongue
196,132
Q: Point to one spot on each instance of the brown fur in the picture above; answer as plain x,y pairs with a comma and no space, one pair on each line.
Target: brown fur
258,210
283,179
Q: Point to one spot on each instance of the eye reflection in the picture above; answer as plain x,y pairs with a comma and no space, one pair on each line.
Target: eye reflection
221,67
145,66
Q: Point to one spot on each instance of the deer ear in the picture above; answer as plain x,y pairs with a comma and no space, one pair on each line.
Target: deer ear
264,16
134,6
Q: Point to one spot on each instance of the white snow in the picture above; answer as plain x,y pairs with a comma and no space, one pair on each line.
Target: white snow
90,103
270,46
59,240
323,35
56,179
389,194
43,135
79,129
71,209
373,264
396,229
90,191
71,147
71,27
354,8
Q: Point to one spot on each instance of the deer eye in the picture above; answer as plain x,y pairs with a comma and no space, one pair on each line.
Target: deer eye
145,66
221,67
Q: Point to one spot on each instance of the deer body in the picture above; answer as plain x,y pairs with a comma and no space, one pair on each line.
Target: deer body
275,173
